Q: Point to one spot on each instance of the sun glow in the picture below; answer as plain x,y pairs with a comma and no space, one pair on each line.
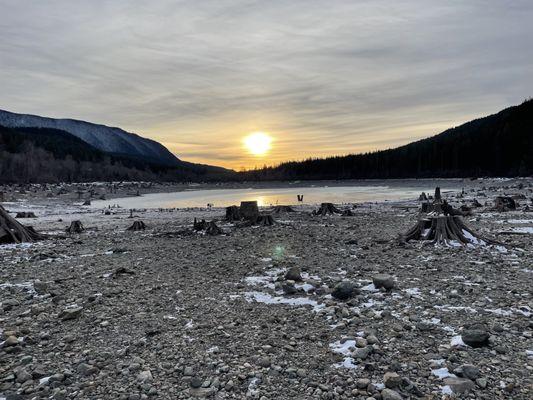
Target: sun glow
258,143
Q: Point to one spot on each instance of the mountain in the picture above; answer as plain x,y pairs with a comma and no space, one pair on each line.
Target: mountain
498,145
104,138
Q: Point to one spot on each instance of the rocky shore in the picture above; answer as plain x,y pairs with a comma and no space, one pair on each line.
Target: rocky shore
313,307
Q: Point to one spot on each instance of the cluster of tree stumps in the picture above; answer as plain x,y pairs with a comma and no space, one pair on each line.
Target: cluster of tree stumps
440,223
249,213
209,228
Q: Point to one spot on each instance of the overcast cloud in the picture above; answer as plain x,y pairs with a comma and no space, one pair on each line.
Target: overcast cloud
323,77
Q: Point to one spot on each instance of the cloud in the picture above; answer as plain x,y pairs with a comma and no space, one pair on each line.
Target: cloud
322,78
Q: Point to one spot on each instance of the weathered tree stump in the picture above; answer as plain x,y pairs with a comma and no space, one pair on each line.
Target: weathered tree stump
265,220
476,204
199,225
423,197
75,227
137,226
347,213
233,213
212,229
87,203
12,231
26,214
445,229
282,209
327,208
249,210
504,203
439,206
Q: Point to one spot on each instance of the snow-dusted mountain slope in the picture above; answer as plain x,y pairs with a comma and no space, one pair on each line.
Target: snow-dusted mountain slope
105,138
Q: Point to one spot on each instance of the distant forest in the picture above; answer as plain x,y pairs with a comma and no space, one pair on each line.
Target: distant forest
31,155
497,145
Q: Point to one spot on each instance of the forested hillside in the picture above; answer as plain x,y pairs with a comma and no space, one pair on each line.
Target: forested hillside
52,155
497,145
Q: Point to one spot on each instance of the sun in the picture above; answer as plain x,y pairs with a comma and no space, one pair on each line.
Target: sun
258,143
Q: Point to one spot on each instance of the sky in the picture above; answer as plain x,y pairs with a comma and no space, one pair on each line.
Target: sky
320,77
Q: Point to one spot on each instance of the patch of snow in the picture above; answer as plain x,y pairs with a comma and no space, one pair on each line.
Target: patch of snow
457,341
370,288
442,373
446,390
414,292
499,311
348,362
294,301
342,348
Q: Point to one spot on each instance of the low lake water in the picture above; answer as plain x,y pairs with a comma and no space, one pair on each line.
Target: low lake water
275,196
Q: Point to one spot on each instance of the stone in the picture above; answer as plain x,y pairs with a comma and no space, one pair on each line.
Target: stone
467,371
391,380
23,375
344,290
389,394
188,371
363,353
293,274
87,369
145,376
460,385
475,337
196,382
11,341
70,313
40,287
264,362
481,382
384,281
362,383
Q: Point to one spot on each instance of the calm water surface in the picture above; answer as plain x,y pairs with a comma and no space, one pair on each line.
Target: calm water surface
273,196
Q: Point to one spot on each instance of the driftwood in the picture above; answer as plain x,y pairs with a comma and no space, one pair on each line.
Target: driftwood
327,208
26,214
233,213
137,226
12,231
75,227
249,210
282,209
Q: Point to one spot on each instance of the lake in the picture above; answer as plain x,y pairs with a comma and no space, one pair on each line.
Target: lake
312,194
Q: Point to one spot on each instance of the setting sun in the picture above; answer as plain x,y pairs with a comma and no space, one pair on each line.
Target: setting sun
258,143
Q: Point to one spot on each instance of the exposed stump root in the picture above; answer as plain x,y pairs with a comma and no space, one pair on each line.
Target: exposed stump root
12,231
75,227
282,209
445,229
265,220
137,226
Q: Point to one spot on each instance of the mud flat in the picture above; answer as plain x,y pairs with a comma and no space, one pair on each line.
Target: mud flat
313,307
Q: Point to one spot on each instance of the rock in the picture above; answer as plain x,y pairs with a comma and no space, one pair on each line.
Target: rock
383,281
87,369
293,274
467,371
476,337
391,380
145,376
362,383
264,362
70,313
11,341
459,385
344,290
40,287
23,375
188,371
389,394
288,287
363,353
196,382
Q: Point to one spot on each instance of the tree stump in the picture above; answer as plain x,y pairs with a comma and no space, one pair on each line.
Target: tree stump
249,210
445,229
26,214
12,231
504,203
75,227
265,220
423,197
137,226
87,203
347,213
233,213
199,225
327,208
282,209
212,229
